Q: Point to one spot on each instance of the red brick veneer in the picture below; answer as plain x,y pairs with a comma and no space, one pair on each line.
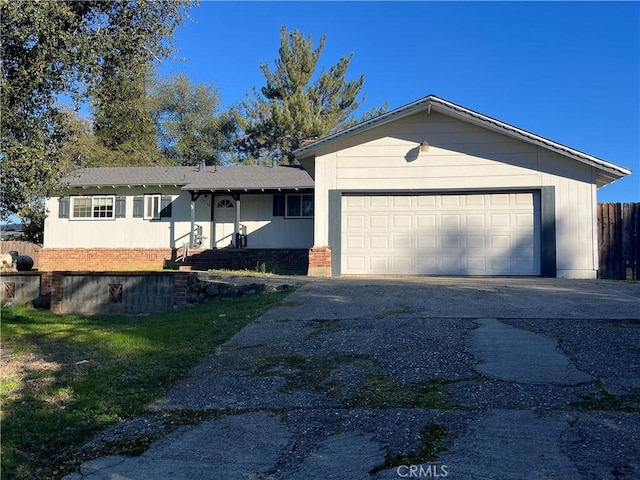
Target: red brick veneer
102,259
320,262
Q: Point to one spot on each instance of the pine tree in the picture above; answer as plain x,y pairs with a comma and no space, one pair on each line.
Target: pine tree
295,105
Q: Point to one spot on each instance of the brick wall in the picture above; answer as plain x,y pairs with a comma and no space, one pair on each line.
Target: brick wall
103,259
320,262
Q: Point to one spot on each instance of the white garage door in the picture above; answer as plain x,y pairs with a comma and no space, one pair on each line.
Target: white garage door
479,234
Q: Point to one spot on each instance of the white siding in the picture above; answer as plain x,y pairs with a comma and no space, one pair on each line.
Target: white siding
264,230
125,232
462,157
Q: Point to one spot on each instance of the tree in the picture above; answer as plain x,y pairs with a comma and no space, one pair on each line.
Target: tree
294,107
190,126
49,48
123,124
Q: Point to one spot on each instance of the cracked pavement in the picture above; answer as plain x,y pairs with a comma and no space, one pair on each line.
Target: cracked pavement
525,378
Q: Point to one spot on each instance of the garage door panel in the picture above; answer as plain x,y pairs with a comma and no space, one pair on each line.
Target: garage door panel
522,265
449,242
402,243
500,242
450,264
379,243
450,200
427,264
426,242
499,199
401,264
476,266
475,200
379,202
449,220
379,221
426,201
355,202
356,264
401,201
425,221
379,264
355,221
500,220
475,234
355,243
474,220
475,242
402,221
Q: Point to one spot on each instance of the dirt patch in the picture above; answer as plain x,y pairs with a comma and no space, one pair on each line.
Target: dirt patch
25,372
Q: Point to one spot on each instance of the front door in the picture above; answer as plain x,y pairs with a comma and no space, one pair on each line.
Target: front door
224,222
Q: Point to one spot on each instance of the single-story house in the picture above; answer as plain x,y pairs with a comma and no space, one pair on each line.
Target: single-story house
430,188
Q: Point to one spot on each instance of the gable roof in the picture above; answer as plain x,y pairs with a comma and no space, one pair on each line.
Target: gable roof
606,172
236,178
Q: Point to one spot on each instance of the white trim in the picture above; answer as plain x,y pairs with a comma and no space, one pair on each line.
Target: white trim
92,207
152,211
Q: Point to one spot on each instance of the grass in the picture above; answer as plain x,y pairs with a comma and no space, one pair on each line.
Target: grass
377,389
69,376
260,271
429,449
605,401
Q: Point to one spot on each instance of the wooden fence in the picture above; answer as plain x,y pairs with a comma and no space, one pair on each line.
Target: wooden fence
23,248
619,240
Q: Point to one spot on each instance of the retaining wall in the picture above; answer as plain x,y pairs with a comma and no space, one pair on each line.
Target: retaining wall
98,292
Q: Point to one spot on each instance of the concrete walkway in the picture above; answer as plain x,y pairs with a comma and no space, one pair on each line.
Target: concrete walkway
413,377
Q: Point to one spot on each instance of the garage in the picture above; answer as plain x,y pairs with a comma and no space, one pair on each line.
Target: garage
441,234
435,188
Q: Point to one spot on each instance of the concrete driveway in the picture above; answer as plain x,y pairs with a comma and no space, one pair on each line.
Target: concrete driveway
378,379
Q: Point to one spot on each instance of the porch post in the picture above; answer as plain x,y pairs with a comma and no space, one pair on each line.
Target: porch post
193,222
236,226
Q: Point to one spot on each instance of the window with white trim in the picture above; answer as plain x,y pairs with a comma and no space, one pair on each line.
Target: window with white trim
299,206
92,207
152,207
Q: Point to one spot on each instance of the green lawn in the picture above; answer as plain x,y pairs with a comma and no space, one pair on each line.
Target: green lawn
66,377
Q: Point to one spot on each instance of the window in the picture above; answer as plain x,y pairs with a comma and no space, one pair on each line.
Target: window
96,207
225,204
299,206
278,205
151,207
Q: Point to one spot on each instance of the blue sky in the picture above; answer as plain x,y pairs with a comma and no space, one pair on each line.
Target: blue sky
568,71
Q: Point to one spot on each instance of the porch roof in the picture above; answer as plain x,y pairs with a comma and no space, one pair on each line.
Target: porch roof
195,179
